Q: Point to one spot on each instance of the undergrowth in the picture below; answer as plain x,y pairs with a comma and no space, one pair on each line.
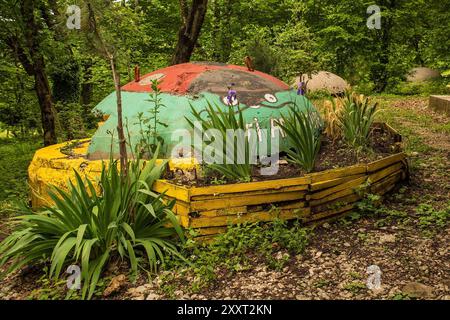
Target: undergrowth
272,243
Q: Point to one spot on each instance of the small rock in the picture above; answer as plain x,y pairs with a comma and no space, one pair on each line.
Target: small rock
152,296
417,290
447,284
387,238
116,284
138,291
178,293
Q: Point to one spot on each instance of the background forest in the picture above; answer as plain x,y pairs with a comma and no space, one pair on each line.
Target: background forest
48,70
54,69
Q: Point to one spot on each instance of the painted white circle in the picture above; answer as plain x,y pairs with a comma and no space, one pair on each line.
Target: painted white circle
234,101
270,98
255,107
148,80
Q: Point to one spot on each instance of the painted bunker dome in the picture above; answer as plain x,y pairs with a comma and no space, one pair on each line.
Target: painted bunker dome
261,97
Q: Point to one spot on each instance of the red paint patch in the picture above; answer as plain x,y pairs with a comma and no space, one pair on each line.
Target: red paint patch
177,78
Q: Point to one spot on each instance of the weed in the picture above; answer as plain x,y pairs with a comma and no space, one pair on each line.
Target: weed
431,218
355,287
274,243
401,296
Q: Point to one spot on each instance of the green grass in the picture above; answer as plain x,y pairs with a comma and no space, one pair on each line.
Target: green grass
406,123
15,156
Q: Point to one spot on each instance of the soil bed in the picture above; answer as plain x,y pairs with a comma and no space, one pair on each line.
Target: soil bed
332,155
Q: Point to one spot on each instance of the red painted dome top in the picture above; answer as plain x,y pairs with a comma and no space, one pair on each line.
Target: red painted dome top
195,77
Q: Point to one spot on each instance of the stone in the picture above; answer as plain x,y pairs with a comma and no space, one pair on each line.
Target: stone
116,284
138,291
417,290
386,238
178,293
153,296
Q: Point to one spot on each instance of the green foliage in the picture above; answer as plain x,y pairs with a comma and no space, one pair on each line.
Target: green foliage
50,290
295,48
423,88
355,287
431,218
371,205
263,56
221,121
400,296
127,219
304,134
15,156
284,38
71,123
56,289
148,125
427,217
273,242
19,112
356,119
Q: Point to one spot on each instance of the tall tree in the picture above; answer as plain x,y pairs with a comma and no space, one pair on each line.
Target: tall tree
24,40
108,52
192,21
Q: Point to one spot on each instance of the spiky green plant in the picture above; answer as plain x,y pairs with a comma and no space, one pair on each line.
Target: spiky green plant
356,119
303,131
125,220
222,121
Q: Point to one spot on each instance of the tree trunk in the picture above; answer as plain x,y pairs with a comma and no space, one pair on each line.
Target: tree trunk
45,101
35,65
190,30
120,132
380,73
103,50
87,88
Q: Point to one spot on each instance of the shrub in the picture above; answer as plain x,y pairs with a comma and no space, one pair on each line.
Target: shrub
72,120
423,88
223,121
126,220
356,119
303,133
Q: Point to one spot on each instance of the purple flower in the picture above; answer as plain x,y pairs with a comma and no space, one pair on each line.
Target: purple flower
301,88
232,94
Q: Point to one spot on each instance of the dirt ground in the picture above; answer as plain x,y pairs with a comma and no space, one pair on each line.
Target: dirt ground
414,261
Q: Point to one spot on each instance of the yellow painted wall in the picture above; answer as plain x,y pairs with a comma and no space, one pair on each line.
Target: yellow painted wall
52,167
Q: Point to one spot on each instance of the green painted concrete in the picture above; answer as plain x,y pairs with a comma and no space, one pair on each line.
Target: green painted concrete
174,113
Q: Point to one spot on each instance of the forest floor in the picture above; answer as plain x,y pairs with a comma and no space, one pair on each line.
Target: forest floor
406,236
